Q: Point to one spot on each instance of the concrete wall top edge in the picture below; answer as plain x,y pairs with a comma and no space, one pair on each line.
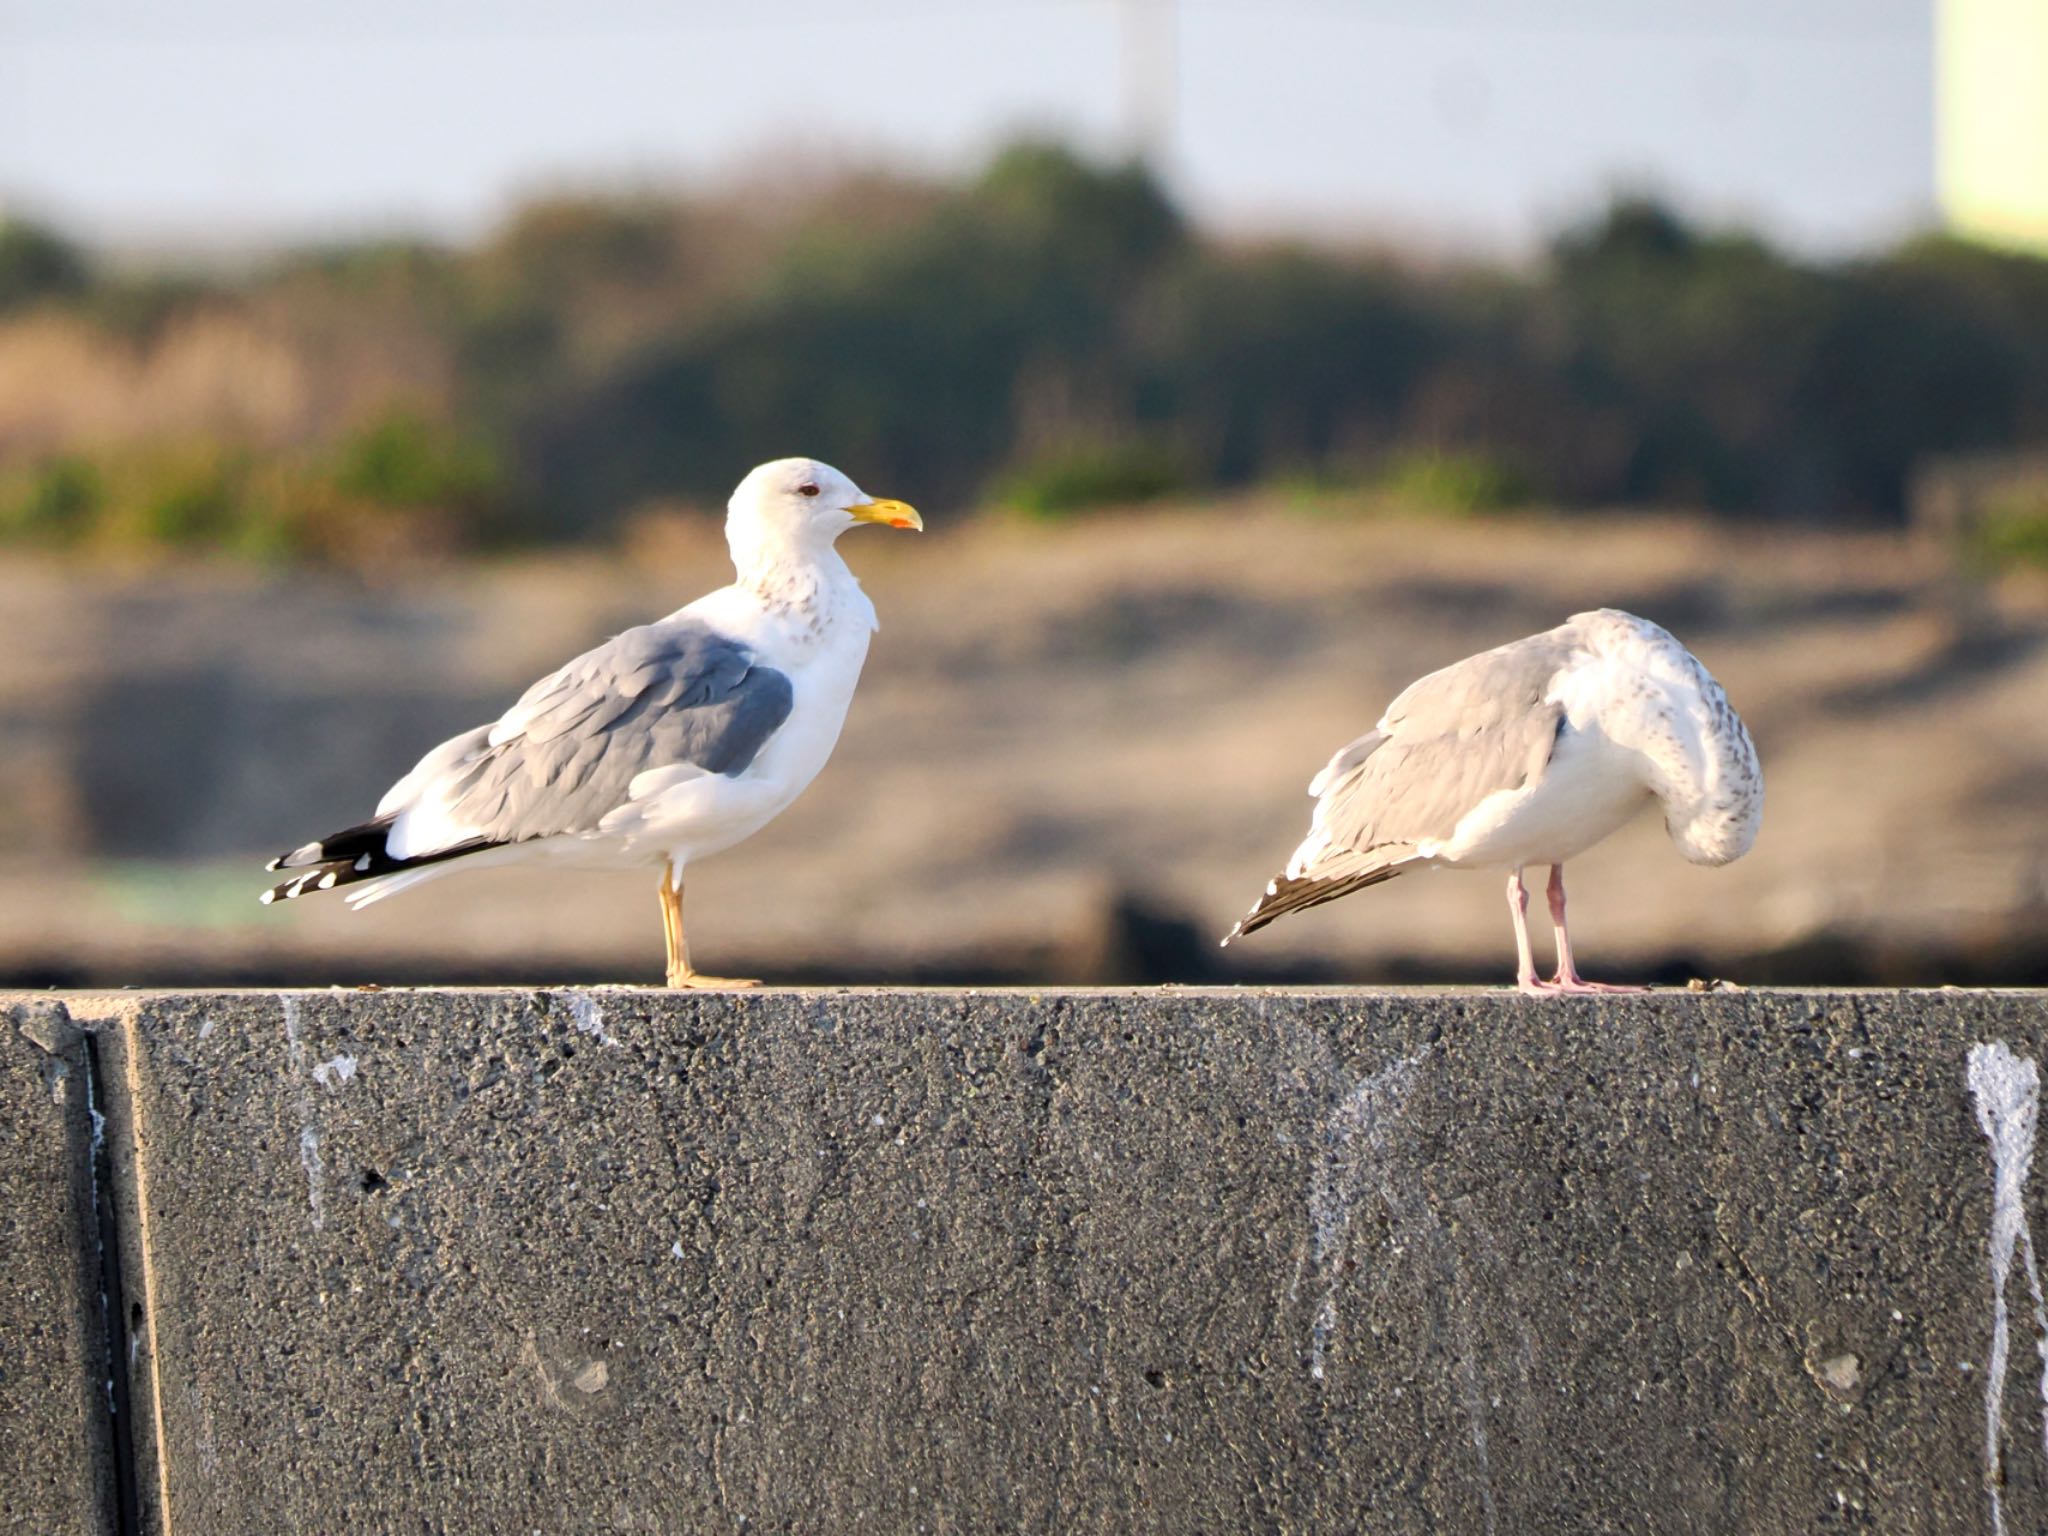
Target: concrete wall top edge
93,1001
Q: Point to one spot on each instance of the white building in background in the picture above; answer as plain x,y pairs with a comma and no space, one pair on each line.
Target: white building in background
1991,95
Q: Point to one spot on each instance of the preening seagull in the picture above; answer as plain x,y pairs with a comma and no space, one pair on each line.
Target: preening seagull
664,745
1530,754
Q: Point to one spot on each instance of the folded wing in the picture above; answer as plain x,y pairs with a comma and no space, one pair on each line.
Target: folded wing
1451,740
674,694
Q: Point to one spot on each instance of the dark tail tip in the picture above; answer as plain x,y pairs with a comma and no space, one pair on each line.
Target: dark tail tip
321,877
1285,894
344,858
1255,919
340,858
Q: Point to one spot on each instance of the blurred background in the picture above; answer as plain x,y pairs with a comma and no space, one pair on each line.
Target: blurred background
1247,361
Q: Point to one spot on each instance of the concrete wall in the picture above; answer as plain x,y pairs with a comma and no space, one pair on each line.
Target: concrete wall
1177,1261
56,1434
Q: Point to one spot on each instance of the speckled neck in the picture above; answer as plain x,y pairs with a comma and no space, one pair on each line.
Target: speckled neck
1720,822
786,587
810,596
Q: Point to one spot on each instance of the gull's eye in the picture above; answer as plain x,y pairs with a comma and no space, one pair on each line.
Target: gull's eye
807,489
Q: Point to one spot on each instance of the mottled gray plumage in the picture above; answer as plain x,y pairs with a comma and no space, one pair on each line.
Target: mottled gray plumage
1531,753
1446,743
1450,740
657,696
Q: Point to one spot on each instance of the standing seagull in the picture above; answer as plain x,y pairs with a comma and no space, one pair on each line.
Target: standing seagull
1530,754
662,746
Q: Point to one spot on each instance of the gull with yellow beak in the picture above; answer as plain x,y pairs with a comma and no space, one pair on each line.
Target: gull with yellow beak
664,745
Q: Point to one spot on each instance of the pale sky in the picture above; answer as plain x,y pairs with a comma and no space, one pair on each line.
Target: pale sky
1477,122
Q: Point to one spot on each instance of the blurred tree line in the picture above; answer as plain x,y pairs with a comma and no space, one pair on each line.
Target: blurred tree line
1050,333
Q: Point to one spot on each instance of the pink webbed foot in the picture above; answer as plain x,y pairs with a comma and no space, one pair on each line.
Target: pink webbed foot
1569,986
1578,984
1567,980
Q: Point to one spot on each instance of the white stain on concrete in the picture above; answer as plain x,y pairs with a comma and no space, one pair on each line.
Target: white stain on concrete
205,1028
99,1143
587,1016
1360,1150
1471,1389
2007,1088
302,1098
1340,1177
209,1448
334,1072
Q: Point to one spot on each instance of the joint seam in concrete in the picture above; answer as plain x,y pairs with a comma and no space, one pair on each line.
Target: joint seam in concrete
106,1236
144,1249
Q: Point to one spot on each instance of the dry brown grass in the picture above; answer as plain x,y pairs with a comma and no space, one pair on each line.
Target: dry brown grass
210,375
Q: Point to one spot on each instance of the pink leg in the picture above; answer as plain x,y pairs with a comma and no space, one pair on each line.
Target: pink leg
1568,977
1525,963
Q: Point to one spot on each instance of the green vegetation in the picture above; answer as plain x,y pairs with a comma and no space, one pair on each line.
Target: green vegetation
404,460
397,486
1081,479
53,502
2012,529
934,339
1460,484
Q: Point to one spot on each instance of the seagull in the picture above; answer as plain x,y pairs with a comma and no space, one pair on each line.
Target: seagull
1530,754
666,744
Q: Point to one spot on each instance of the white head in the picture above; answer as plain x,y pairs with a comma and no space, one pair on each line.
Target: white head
795,508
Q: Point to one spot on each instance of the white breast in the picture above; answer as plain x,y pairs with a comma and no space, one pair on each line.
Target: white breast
823,683
1590,788
1644,722
821,650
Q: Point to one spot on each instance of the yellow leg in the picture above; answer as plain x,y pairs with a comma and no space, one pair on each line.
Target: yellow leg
672,931
679,972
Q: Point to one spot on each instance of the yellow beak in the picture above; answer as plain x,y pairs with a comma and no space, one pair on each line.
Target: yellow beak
896,514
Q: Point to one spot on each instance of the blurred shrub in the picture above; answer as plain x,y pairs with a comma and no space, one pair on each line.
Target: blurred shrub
53,503
602,353
2011,529
399,487
1454,482
36,263
1324,491
1271,359
194,496
402,459
918,352
1083,478
183,495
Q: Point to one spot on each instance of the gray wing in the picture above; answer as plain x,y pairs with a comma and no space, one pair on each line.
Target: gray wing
1477,727
1451,739
662,695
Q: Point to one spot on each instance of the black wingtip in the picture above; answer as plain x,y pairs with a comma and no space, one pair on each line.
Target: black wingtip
346,857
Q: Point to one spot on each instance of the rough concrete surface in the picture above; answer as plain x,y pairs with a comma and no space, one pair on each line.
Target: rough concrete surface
55,1467
1169,1261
